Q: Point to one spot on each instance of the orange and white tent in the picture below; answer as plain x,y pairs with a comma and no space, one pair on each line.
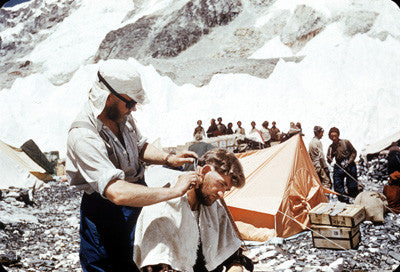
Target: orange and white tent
281,184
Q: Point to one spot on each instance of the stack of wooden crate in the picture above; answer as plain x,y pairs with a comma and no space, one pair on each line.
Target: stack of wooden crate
339,222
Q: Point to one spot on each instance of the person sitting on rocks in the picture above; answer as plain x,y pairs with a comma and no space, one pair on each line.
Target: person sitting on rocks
199,130
274,131
229,129
212,130
265,134
345,168
392,191
239,129
253,127
221,126
194,232
298,125
293,130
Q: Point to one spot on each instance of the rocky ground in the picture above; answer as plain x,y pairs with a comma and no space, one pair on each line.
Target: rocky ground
39,232
42,236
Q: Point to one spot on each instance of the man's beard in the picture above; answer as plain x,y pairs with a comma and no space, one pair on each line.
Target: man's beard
113,113
202,198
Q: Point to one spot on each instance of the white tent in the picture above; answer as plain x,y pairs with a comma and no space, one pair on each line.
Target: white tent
18,170
380,145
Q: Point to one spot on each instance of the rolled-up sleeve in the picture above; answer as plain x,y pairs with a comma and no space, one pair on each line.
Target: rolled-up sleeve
88,155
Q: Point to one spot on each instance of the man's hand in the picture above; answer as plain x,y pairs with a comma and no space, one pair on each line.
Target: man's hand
181,158
185,182
326,169
345,163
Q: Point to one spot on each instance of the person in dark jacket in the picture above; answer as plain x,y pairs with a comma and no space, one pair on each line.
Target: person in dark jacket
274,131
212,130
229,130
392,190
345,168
221,126
394,162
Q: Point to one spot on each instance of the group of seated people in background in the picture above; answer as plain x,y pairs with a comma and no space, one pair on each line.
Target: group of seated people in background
268,134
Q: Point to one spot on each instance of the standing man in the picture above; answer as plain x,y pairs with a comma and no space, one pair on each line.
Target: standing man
345,168
318,158
105,155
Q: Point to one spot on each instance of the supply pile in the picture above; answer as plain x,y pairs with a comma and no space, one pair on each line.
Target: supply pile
374,171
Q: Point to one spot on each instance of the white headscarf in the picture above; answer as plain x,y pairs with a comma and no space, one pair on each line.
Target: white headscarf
123,77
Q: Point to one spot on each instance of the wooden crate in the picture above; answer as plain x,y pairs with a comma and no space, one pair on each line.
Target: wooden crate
339,237
337,214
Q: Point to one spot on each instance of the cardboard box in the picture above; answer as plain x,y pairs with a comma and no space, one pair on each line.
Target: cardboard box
337,214
337,237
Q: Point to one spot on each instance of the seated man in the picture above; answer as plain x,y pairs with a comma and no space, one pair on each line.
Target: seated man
274,131
212,130
240,130
199,131
193,232
265,134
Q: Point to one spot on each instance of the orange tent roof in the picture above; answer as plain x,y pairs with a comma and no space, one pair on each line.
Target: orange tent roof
280,181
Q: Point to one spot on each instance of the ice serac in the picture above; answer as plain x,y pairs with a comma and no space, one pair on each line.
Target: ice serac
21,29
303,25
167,35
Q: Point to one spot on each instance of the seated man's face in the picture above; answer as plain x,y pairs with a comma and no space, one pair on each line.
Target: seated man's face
214,186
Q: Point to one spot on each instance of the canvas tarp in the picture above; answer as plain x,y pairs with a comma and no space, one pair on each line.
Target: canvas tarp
18,170
380,145
280,181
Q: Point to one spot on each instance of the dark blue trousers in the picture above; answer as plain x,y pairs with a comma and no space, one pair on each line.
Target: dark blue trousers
107,232
339,178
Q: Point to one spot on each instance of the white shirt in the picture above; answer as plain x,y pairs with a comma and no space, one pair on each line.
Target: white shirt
95,156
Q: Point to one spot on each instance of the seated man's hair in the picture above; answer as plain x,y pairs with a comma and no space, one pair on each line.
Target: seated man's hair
225,163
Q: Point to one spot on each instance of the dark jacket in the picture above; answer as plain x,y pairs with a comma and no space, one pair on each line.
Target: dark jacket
344,150
211,131
393,161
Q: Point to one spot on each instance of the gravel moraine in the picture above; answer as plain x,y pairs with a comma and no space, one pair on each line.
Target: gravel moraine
44,237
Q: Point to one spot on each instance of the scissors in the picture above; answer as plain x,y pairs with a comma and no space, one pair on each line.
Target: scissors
195,164
195,167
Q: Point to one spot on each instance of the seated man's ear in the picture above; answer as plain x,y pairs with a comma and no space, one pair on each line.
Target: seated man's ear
205,169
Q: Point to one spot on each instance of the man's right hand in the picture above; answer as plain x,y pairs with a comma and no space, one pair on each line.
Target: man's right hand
185,182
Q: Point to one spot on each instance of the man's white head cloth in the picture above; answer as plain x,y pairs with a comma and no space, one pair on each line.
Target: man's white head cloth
123,77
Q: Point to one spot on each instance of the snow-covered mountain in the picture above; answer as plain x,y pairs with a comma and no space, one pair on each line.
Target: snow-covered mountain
320,62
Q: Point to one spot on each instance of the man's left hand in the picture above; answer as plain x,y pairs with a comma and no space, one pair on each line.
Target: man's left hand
181,158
